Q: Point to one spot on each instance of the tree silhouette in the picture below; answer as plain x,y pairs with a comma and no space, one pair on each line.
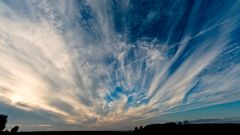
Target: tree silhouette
14,130
3,121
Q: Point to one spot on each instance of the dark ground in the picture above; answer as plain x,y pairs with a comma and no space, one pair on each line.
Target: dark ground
160,129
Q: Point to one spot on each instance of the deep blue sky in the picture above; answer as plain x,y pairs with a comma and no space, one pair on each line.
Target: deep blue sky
110,64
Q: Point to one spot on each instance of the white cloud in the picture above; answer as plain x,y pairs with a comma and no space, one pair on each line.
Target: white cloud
53,61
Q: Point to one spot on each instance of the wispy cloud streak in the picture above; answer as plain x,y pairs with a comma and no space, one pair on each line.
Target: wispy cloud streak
100,63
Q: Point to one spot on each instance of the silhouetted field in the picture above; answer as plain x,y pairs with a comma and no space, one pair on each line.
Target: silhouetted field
157,129
77,133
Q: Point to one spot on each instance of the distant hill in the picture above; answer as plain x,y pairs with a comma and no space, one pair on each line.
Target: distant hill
235,120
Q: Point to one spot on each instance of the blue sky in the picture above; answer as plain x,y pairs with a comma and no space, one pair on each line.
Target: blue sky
110,64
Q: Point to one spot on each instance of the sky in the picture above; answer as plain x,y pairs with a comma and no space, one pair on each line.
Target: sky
114,65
